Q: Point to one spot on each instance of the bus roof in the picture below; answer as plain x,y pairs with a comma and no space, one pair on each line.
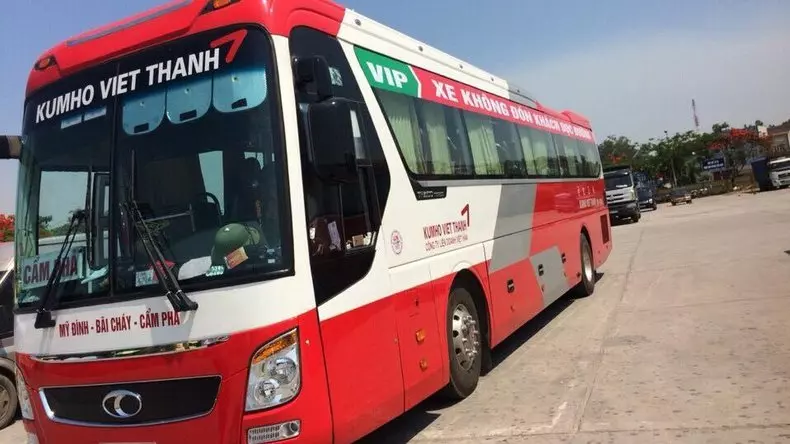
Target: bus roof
178,18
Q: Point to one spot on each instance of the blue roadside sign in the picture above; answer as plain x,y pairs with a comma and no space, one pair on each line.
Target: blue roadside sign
713,165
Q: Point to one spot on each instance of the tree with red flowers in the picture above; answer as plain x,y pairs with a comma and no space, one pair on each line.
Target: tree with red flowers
737,146
6,227
617,150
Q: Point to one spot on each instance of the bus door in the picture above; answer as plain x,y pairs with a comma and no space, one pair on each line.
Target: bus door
343,212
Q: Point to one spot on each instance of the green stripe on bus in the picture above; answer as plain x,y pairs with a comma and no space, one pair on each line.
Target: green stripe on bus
386,73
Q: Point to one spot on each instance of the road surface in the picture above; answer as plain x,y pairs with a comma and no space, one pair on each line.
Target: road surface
686,339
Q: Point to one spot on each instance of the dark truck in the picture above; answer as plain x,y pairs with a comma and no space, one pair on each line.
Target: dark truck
646,198
621,195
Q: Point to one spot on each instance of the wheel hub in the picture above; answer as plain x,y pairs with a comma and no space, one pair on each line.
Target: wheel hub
466,337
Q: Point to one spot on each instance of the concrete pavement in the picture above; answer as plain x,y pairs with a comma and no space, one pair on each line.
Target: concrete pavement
13,434
686,340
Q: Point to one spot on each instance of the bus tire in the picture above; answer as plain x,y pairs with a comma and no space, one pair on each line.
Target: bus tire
464,344
8,401
587,285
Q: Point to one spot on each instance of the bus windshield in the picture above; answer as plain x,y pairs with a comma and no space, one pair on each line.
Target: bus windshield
183,138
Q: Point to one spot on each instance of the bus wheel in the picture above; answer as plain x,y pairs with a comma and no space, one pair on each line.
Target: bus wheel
464,344
587,286
8,401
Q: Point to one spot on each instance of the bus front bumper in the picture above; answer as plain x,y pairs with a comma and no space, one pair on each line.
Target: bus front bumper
305,418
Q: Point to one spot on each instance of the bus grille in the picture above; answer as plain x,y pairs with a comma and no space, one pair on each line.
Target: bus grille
132,403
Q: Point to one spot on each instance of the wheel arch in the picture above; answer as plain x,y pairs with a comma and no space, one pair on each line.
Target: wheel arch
469,280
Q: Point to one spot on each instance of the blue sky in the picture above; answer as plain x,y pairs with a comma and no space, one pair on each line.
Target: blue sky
631,66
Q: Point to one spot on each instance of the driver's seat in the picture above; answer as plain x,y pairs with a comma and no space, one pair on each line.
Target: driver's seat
206,215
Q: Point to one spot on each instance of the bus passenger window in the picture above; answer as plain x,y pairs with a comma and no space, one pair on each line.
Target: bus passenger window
401,112
483,143
529,154
509,148
543,149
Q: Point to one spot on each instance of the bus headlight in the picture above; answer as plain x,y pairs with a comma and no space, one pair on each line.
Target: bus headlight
275,373
25,406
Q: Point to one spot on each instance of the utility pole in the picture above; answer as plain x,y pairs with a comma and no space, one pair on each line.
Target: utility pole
671,159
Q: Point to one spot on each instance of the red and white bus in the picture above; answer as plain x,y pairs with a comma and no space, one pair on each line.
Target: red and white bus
280,220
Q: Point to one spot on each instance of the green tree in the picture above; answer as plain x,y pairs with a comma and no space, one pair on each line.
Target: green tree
738,146
673,157
617,150
678,157
719,128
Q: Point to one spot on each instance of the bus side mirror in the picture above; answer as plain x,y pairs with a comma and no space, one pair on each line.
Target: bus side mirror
335,139
311,76
10,147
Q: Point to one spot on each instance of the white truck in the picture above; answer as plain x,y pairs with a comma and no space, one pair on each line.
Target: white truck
779,171
621,195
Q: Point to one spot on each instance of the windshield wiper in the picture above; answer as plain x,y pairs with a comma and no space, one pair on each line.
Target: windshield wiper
44,310
178,299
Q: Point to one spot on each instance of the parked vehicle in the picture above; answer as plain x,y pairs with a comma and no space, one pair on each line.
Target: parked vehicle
779,172
646,199
680,196
621,193
8,395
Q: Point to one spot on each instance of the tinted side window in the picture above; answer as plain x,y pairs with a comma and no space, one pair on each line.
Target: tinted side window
482,141
448,149
431,137
591,159
530,162
343,219
436,141
509,148
562,156
573,153
401,113
545,155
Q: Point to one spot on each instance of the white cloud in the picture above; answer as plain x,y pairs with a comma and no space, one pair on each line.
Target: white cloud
643,85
